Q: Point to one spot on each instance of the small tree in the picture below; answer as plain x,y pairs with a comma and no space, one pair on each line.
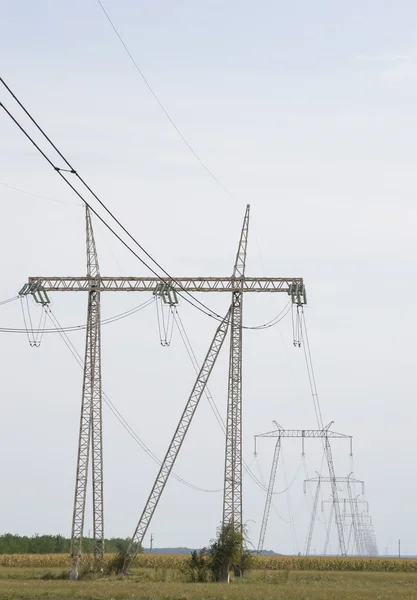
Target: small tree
226,551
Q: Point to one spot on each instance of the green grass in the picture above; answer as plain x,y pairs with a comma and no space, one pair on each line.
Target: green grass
27,584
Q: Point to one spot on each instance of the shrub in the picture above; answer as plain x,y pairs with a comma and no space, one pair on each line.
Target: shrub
197,567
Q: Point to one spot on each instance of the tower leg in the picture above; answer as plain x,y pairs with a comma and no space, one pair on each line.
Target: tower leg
97,438
90,365
232,499
329,528
90,419
335,497
313,519
354,520
269,493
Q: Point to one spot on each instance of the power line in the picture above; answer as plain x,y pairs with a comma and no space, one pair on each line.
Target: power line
202,307
162,107
310,369
15,189
72,171
212,403
113,408
9,300
113,319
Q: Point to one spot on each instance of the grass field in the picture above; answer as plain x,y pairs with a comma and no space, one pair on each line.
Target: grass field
160,578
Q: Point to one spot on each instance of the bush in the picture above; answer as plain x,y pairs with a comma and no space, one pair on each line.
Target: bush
114,566
197,567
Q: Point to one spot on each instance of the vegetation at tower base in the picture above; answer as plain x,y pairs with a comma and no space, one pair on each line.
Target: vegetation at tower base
227,551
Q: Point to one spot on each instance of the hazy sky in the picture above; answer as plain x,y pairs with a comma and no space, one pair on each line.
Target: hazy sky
307,112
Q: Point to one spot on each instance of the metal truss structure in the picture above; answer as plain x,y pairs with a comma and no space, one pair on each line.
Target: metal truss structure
357,521
91,435
94,283
335,509
177,284
232,495
324,434
339,480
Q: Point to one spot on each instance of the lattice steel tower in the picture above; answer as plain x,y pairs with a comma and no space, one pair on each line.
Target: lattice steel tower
90,425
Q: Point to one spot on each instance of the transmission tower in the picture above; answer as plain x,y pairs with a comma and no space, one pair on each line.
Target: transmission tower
303,434
367,534
237,285
355,516
334,482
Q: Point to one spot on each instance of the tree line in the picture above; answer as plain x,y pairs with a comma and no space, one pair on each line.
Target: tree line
50,544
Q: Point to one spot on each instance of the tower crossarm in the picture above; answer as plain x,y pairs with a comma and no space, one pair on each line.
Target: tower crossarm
336,479
348,501
303,434
300,433
149,284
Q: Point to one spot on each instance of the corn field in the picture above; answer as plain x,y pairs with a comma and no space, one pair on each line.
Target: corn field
273,563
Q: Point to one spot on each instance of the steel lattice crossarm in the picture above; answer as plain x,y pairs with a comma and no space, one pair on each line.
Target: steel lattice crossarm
293,286
302,434
349,501
337,479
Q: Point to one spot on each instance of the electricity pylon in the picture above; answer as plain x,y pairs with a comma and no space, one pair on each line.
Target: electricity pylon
238,285
334,482
280,433
367,533
354,514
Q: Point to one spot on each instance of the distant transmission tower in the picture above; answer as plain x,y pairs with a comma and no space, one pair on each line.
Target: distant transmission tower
356,522
323,434
334,482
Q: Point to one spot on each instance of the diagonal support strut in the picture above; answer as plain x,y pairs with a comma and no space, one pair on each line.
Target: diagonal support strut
177,440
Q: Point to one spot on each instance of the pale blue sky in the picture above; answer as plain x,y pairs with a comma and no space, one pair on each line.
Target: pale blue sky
307,111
